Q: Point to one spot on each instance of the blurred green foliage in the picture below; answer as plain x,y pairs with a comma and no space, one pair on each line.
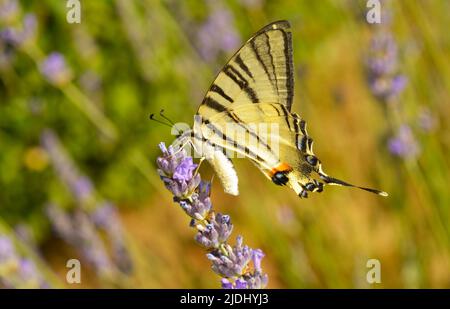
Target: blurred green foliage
131,58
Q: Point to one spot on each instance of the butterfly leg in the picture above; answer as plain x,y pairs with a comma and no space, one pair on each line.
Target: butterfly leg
314,186
186,139
319,185
303,193
198,166
180,143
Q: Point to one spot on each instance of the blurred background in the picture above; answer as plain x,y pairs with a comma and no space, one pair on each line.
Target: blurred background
78,177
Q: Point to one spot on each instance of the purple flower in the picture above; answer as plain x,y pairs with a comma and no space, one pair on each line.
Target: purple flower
200,205
16,271
20,36
257,256
257,280
28,270
238,284
213,230
233,261
217,34
183,172
7,251
226,284
216,232
384,81
91,245
106,217
404,144
176,170
241,284
427,121
9,10
398,83
80,186
77,230
55,70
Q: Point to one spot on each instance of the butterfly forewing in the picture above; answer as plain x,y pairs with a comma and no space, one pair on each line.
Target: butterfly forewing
261,71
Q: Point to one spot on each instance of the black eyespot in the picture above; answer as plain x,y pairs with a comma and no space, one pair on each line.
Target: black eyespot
312,160
280,178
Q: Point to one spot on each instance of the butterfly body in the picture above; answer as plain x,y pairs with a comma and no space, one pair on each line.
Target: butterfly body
247,113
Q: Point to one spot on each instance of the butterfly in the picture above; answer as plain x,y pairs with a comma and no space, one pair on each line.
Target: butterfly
255,89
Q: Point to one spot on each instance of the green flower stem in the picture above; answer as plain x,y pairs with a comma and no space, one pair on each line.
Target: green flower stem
85,105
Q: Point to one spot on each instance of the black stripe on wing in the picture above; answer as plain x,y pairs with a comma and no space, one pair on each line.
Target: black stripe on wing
241,81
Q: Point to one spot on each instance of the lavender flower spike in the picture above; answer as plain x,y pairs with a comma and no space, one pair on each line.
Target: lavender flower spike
176,171
55,69
233,264
384,81
17,271
404,144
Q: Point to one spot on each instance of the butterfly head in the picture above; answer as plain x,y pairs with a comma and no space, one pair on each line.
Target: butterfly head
298,178
301,178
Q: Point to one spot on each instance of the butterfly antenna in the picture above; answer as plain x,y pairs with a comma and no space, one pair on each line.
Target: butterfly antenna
152,117
161,113
334,181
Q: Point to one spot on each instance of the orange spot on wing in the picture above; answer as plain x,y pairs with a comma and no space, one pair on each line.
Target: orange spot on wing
282,167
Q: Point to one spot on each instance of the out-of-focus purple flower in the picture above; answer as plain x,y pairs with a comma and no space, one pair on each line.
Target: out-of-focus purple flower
91,244
106,217
404,144
61,222
217,34
80,232
90,81
383,50
7,251
55,69
285,216
16,271
382,65
252,4
20,36
9,10
426,120
80,186
28,271
399,83
83,187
